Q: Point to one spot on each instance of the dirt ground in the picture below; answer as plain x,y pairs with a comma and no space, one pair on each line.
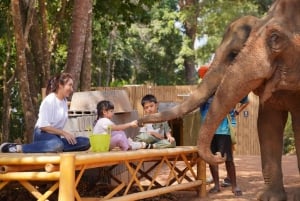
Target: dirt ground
250,180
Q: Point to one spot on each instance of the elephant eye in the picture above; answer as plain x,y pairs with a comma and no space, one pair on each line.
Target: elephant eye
276,41
232,55
274,38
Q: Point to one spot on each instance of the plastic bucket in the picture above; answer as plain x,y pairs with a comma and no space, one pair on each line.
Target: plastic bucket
100,142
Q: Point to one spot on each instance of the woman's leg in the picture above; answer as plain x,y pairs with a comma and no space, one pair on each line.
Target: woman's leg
43,142
83,143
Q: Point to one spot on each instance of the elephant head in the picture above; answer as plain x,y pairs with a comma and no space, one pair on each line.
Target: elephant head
267,63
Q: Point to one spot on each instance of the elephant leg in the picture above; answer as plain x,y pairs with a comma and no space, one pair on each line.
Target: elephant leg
271,125
296,129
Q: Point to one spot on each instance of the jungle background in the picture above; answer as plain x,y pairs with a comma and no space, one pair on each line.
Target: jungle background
106,43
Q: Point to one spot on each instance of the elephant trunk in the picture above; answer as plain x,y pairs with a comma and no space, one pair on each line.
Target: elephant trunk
204,90
240,79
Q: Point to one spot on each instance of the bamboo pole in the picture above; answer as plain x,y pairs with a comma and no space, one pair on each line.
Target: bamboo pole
18,168
115,191
33,176
94,158
3,183
28,159
31,189
67,177
155,192
49,191
51,167
201,175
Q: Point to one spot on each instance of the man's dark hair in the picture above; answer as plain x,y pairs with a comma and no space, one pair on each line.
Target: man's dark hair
148,98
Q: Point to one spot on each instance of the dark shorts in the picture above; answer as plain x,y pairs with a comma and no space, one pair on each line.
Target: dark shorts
222,144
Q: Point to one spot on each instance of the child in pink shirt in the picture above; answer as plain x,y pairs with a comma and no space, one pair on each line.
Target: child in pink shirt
105,112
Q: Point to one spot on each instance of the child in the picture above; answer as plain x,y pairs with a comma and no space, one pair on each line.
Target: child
105,111
221,143
156,135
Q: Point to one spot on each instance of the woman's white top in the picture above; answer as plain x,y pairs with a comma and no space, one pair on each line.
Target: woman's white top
53,112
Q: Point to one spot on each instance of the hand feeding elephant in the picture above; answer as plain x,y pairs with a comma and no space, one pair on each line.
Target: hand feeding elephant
268,69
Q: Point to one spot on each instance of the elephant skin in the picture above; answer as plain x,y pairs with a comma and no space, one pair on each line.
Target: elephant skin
268,69
271,68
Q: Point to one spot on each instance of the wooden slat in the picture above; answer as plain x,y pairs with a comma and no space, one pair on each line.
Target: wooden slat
67,178
155,192
34,176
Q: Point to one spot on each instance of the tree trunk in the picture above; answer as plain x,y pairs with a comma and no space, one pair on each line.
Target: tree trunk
21,69
86,74
112,38
45,40
56,28
7,85
77,40
38,66
191,9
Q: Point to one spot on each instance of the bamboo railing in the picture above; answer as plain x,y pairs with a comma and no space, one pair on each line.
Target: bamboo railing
184,168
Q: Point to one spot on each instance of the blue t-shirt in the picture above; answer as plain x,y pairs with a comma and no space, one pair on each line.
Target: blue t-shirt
223,128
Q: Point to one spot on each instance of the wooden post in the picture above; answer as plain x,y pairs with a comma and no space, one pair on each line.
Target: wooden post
67,177
201,174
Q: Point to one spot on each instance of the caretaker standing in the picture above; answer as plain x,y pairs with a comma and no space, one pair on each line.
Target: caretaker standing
221,143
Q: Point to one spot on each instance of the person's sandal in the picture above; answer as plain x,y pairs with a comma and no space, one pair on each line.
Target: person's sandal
214,190
226,183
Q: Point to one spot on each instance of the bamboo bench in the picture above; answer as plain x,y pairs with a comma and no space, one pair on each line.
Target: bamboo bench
66,169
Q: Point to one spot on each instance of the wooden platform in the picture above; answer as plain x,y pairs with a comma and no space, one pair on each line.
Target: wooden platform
67,168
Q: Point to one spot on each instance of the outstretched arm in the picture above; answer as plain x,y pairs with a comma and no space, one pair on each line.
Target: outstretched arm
133,124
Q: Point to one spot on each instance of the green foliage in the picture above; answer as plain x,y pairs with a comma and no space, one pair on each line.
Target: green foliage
112,19
59,58
17,120
214,18
289,140
160,43
144,52
263,5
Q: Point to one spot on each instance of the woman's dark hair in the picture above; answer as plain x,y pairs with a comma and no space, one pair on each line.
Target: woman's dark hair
55,81
148,98
102,106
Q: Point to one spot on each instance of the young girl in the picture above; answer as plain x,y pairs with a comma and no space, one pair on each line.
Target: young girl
105,112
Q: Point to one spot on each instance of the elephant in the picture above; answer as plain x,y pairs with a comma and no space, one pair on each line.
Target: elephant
258,55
